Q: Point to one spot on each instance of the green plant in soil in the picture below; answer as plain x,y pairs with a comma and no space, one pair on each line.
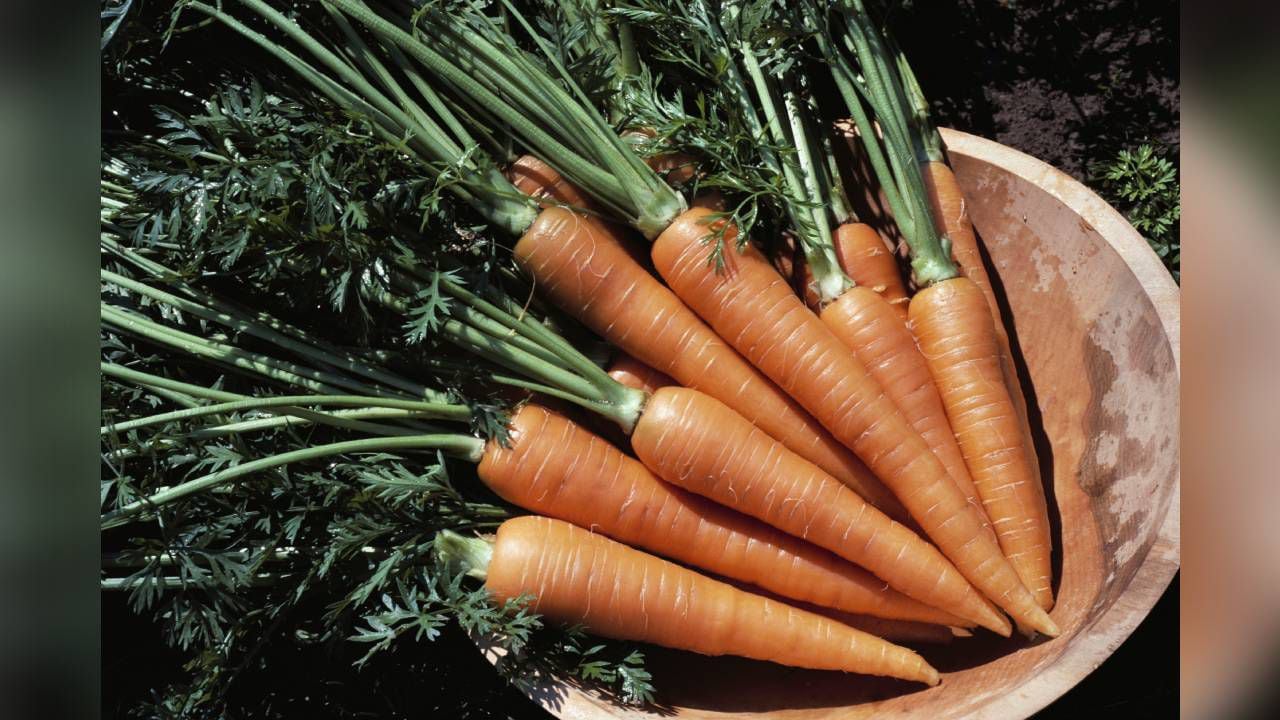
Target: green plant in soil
1143,185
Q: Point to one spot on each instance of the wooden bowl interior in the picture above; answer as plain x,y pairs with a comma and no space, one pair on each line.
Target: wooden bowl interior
1095,326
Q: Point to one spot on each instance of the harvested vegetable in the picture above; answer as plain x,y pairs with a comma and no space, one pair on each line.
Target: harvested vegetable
635,374
749,305
578,577
562,470
871,264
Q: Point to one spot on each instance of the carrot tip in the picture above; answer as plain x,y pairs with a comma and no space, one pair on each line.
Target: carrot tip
997,623
1043,625
1049,627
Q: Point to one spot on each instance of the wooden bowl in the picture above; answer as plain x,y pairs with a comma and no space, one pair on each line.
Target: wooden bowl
1094,317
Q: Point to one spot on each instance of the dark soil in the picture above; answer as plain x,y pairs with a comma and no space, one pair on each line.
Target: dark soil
1069,82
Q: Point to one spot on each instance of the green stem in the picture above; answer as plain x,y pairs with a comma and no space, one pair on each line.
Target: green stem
807,212
176,583
361,52
141,378
820,254
531,329
390,122
516,359
176,398
657,204
463,446
883,84
313,380
555,368
271,331
628,58
468,85
467,555
348,419
931,141
625,413
485,189
568,134
460,413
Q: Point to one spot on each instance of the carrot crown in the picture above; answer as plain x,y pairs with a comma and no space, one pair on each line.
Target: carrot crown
463,555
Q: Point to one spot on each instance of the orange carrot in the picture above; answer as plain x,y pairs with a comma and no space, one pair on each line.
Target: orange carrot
866,324
676,168
576,577
749,305
694,441
958,340
539,180
951,216
864,257
635,374
585,269
554,467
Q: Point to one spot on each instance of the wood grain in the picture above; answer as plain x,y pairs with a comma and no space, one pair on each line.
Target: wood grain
1094,321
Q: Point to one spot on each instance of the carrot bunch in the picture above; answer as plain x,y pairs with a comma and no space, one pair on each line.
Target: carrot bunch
860,446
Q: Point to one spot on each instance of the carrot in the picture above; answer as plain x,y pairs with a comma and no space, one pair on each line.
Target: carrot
749,305
556,468
539,180
676,168
959,341
902,129
865,257
576,577
635,374
868,325
698,443
952,218
585,269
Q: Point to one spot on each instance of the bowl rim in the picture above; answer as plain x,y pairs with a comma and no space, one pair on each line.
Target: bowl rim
1110,629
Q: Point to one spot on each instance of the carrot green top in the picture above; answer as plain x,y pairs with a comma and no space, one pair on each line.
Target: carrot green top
433,78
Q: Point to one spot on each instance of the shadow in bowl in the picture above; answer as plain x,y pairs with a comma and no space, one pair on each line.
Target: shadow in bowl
732,684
